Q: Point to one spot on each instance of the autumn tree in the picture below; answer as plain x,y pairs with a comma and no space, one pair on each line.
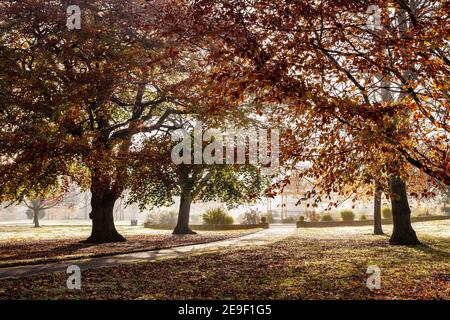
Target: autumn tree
59,196
233,184
73,103
322,68
36,208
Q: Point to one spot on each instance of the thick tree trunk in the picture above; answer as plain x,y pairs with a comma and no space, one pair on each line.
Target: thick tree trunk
103,228
183,216
377,227
36,218
403,233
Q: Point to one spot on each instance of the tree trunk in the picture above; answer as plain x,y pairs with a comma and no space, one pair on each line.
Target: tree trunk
103,228
377,227
36,217
403,233
183,216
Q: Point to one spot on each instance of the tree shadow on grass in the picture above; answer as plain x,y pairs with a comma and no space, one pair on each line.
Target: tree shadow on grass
426,248
72,247
69,252
430,250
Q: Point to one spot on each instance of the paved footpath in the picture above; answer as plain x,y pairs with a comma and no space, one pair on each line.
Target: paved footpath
267,236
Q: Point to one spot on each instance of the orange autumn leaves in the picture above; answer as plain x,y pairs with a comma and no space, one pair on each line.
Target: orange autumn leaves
315,70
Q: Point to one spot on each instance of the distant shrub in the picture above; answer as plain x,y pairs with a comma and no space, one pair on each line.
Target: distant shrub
387,213
301,218
217,216
347,215
363,217
327,217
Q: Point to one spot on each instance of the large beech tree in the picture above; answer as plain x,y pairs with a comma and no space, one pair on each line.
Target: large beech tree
322,68
75,103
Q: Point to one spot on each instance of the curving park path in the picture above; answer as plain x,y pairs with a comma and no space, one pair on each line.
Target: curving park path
267,236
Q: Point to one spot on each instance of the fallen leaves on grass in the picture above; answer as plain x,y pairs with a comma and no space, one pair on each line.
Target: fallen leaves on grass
40,251
304,267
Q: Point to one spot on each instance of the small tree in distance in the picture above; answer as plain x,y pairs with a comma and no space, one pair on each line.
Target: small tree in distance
59,195
36,208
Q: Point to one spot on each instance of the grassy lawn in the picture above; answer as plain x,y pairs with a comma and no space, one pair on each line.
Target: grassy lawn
317,264
27,245
46,232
